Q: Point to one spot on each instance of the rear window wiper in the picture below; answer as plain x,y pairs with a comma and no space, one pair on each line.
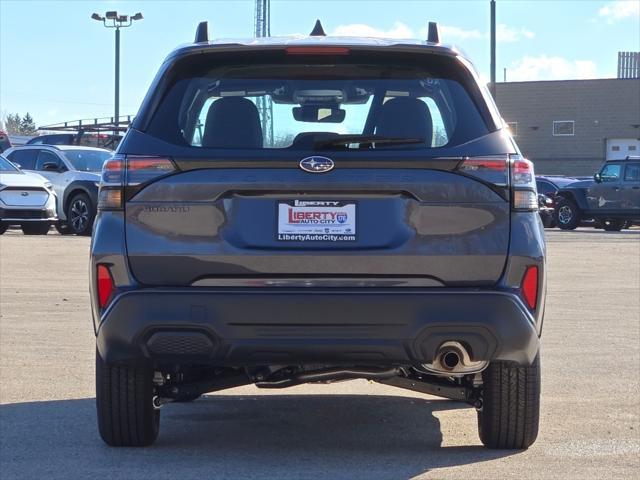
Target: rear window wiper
364,140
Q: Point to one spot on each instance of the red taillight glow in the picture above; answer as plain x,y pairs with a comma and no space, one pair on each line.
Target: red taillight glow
522,173
106,286
144,169
317,51
493,170
530,286
485,163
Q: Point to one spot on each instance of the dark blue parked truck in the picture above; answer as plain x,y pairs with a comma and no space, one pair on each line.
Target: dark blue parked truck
612,198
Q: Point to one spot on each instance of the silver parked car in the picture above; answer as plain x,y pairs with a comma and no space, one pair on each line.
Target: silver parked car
26,199
74,172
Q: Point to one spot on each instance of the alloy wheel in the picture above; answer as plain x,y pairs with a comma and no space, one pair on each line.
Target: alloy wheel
79,215
565,214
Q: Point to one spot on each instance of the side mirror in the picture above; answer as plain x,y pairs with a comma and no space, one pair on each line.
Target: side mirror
597,178
17,165
51,167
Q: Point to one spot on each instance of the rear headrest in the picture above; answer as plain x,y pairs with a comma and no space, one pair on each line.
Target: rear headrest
406,117
232,122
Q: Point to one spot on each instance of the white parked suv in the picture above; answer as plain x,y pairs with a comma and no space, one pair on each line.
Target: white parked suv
74,172
26,199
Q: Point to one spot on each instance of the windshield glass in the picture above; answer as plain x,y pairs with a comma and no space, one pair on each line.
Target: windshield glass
315,105
87,160
7,166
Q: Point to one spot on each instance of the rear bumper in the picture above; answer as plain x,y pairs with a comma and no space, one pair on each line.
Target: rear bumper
238,327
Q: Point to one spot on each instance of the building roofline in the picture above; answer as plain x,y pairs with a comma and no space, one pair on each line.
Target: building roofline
573,80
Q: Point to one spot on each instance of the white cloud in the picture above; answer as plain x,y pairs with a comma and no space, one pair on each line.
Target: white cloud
504,34
399,30
507,34
544,67
620,10
448,33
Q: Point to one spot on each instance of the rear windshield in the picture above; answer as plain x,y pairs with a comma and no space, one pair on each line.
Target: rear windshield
87,160
319,104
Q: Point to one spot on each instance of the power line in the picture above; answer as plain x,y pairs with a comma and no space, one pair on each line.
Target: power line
51,100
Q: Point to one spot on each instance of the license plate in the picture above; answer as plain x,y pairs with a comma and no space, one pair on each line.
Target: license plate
316,221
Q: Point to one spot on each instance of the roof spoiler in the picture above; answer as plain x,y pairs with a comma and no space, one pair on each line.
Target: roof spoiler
202,32
433,35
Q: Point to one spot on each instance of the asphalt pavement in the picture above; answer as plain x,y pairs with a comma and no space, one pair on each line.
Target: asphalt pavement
590,424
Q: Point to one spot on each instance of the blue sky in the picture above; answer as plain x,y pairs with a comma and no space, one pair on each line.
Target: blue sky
57,63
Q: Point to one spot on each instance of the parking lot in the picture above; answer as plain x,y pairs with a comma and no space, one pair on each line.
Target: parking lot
590,401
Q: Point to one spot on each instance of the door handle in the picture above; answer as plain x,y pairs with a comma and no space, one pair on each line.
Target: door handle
636,188
617,189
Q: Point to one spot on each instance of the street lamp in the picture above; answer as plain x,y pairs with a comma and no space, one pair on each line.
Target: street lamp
112,19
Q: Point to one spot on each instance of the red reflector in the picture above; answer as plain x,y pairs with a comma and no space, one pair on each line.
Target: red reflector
317,51
530,286
105,285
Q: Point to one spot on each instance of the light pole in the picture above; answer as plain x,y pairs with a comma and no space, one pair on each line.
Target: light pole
112,19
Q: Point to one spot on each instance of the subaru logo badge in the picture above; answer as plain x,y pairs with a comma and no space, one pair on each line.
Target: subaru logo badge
316,164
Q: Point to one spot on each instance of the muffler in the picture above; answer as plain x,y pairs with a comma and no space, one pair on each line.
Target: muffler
453,359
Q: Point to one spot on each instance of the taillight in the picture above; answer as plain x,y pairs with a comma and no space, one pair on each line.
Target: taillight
490,169
503,170
128,171
105,285
110,194
529,286
144,169
523,183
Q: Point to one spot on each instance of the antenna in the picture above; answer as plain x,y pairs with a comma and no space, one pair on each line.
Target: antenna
434,33
202,32
317,31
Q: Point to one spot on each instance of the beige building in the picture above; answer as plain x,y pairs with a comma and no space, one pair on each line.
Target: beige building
570,126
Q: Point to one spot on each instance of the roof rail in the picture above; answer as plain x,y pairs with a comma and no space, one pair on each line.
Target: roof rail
202,32
317,31
434,33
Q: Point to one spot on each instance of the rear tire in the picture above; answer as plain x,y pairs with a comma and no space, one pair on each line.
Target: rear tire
510,412
567,214
63,228
80,214
35,228
124,403
612,225
3,228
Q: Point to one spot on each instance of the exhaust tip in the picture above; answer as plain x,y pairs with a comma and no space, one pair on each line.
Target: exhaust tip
453,359
450,359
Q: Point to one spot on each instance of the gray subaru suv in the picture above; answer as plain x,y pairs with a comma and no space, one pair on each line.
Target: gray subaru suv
314,210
